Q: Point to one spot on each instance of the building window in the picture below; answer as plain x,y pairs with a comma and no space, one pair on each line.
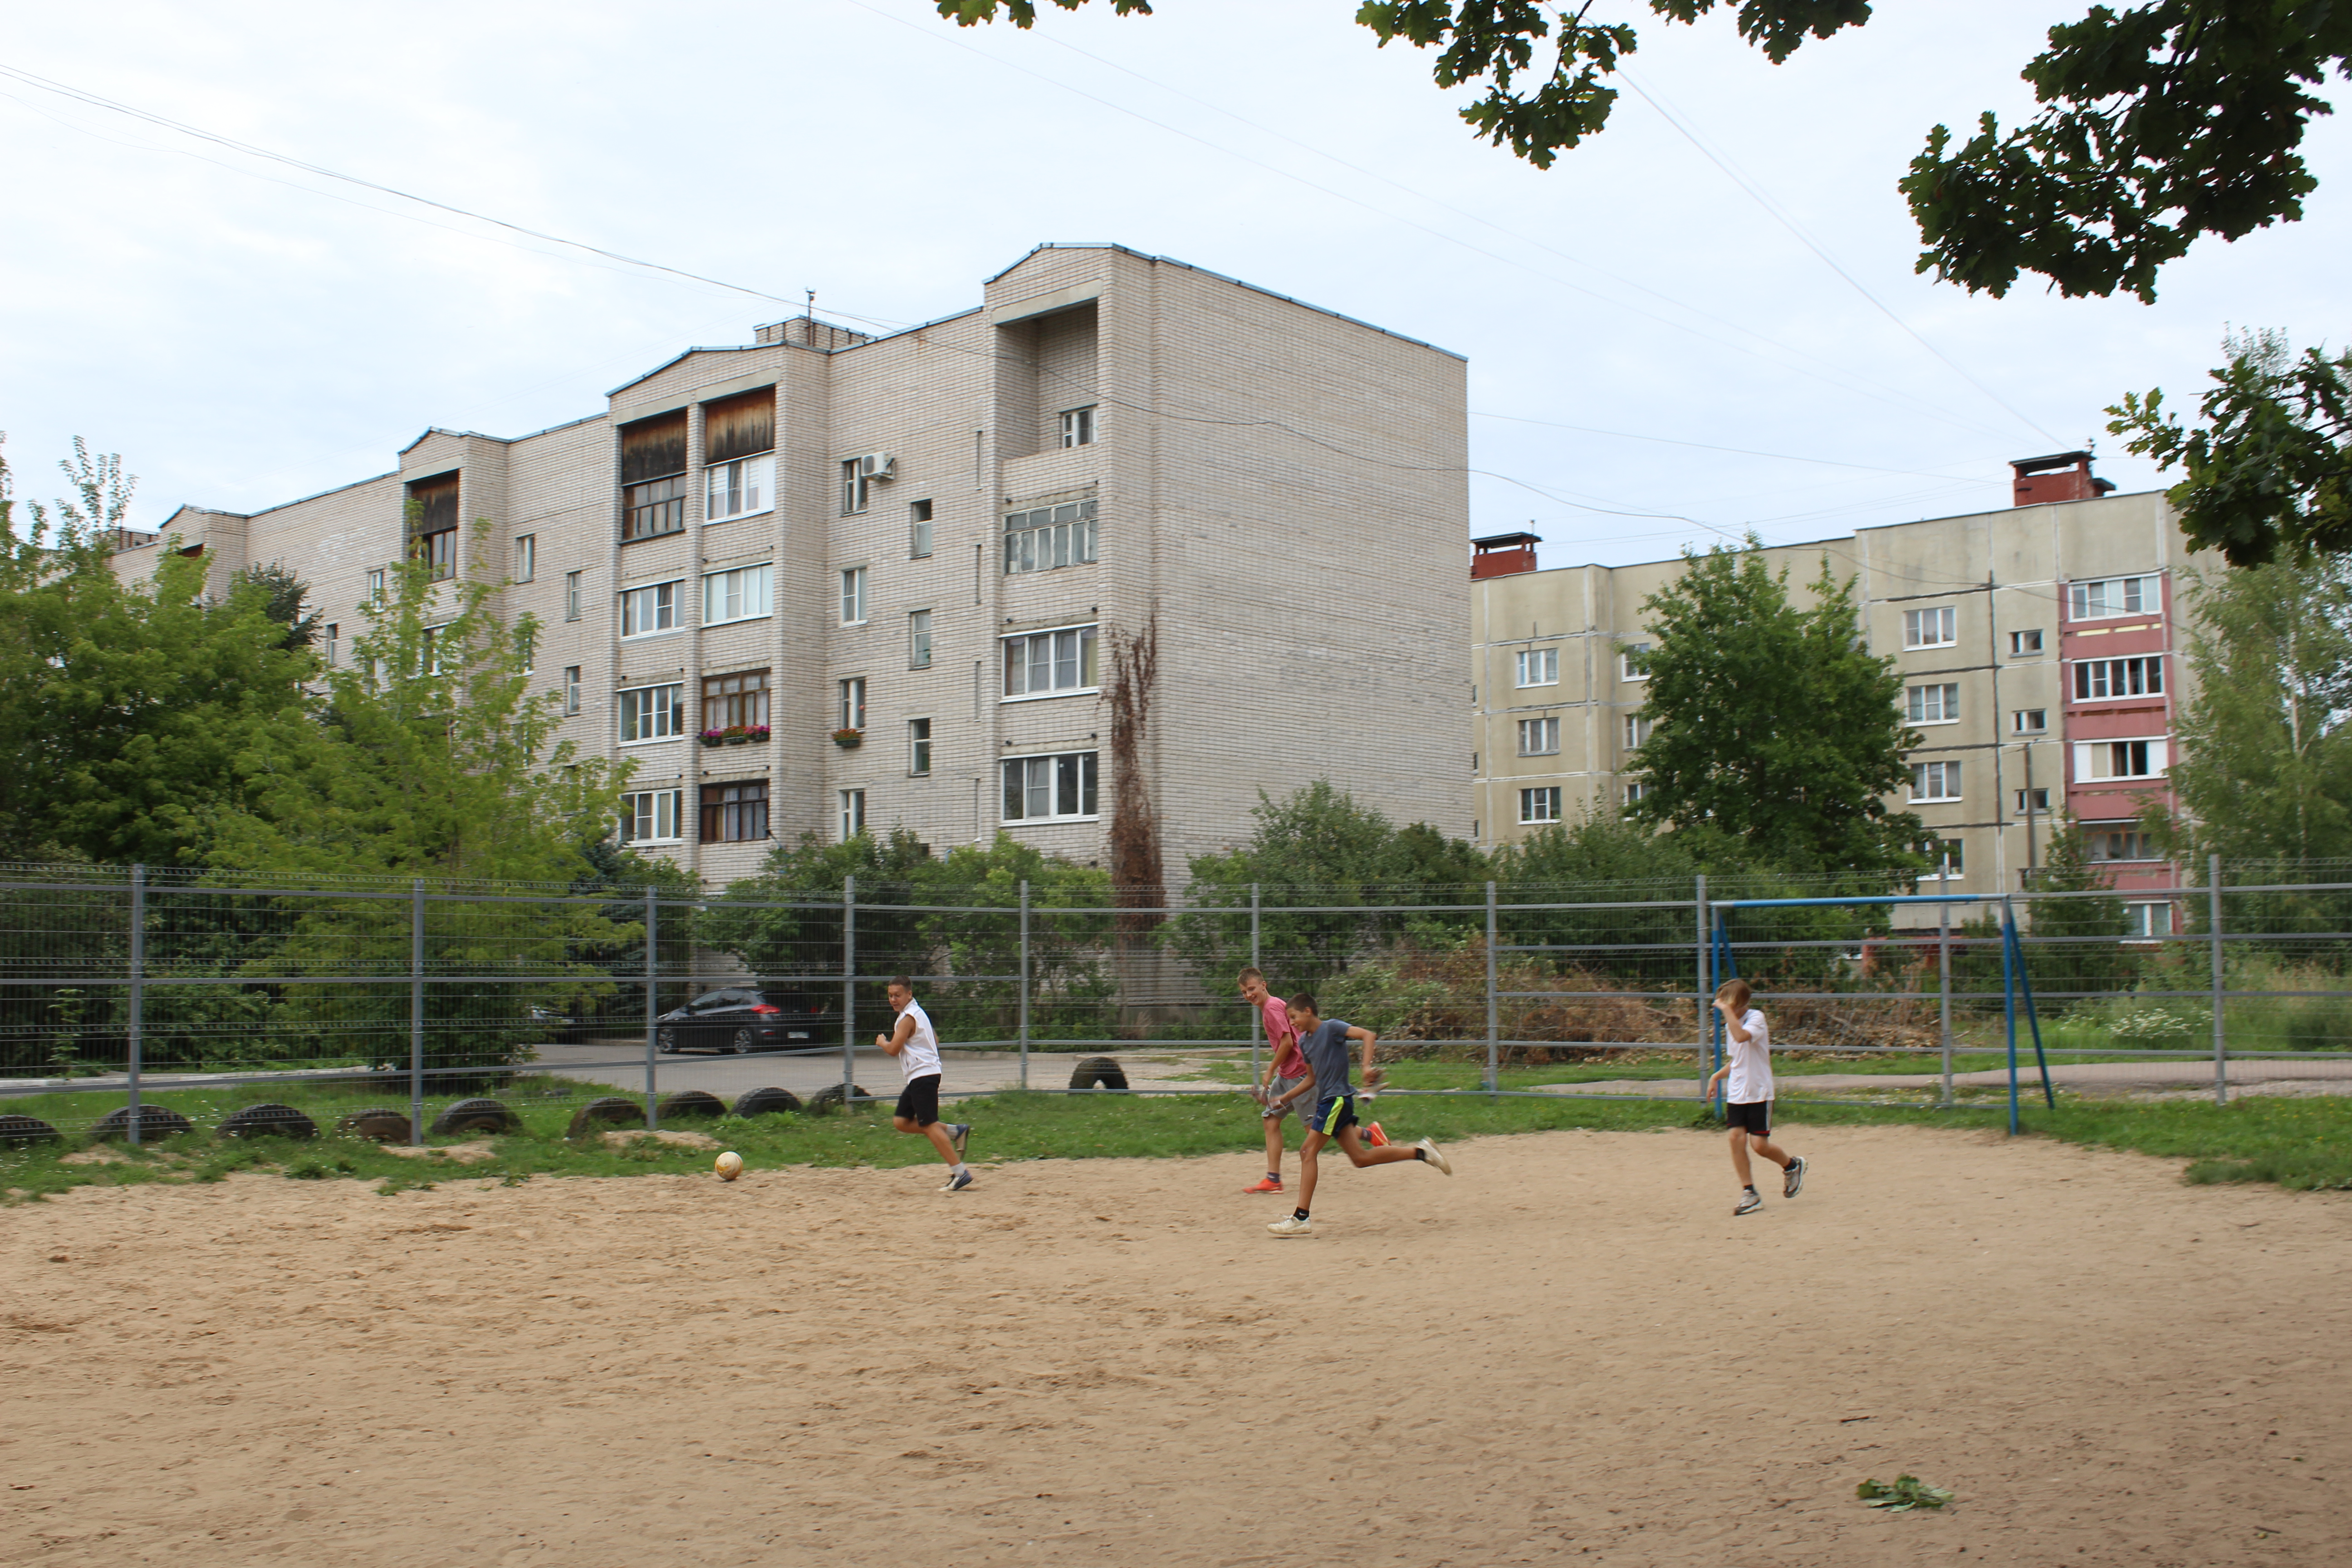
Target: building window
734,812
2118,759
1634,792
2033,803
1041,789
1630,662
652,475
1539,805
1947,855
650,816
853,814
919,640
572,688
432,655
572,596
853,703
1932,705
2114,596
1078,427
333,645
1936,781
2095,678
650,609
735,702
1045,537
739,489
857,486
1637,731
2028,720
433,524
526,557
2147,921
1047,664
652,713
853,596
740,594
1937,626
2109,841
1539,667
375,586
1538,737
2023,643
918,529
919,747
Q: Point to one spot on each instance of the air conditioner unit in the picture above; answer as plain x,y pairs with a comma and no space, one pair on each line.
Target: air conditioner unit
874,464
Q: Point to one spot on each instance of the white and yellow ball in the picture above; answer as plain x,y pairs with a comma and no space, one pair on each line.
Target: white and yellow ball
728,1165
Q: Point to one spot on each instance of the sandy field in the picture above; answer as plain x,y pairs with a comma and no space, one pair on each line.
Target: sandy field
1570,1350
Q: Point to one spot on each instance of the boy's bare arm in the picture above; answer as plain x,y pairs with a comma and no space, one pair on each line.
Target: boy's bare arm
1305,1087
1369,1039
896,1041
1736,1028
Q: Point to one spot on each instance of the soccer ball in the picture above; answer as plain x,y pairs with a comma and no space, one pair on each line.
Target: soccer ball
728,1165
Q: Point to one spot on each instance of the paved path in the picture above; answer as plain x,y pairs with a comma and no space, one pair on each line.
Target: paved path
623,1066
2325,1076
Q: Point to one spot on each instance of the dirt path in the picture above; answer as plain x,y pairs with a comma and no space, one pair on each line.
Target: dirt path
1570,1350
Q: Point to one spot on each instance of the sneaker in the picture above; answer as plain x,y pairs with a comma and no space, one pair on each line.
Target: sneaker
1748,1204
1291,1225
1265,1184
1433,1155
1374,1136
957,1183
1793,1180
957,1134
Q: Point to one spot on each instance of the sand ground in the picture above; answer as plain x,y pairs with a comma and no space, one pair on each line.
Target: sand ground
1569,1350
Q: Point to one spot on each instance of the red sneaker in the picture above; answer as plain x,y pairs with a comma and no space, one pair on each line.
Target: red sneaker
1374,1136
1265,1184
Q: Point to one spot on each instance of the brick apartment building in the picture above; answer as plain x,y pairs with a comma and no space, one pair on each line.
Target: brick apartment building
930,537
2038,651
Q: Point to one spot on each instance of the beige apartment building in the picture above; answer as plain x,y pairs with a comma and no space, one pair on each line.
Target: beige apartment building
2037,645
827,583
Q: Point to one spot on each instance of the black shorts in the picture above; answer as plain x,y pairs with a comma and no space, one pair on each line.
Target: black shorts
918,1102
1756,1116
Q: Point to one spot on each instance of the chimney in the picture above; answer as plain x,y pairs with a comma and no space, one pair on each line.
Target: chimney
2061,476
1501,555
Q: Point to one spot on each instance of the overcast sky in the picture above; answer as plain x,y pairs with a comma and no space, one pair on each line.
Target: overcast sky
1656,358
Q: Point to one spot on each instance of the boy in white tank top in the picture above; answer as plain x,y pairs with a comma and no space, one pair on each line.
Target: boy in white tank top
1749,1104
917,1045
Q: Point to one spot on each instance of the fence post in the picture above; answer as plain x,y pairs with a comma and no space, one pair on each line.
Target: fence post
1944,1008
417,1013
653,1001
2213,938
1698,897
2011,956
848,988
138,988
1025,982
1494,1029
1255,1030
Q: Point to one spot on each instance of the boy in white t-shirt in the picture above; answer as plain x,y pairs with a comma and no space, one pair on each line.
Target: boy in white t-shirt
1749,1103
917,1045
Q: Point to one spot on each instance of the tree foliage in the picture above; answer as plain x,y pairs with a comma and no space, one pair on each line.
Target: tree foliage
2158,125
1775,734
2270,469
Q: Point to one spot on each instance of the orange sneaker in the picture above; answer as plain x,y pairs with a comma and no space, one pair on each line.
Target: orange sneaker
1265,1184
1374,1136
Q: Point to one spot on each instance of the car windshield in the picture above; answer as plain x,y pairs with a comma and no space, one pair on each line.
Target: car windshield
797,1001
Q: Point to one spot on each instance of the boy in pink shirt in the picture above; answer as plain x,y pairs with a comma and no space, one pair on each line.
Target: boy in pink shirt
1285,1070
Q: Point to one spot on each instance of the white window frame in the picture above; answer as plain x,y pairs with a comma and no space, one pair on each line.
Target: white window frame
654,602
1044,771
1041,539
1635,790
1943,707
741,487
572,596
642,813
571,689
853,596
918,530
1639,728
919,640
2088,600
1933,626
1625,671
2037,805
857,489
851,692
1538,737
1542,804
1935,850
2109,680
1088,661
332,644
526,557
657,721
1945,774
1080,426
2028,720
2025,644
375,585
2096,833
2143,921
2090,756
853,814
749,589
918,748
1538,667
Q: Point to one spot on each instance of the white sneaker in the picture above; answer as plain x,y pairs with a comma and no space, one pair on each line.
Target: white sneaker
1433,1155
958,1181
1291,1225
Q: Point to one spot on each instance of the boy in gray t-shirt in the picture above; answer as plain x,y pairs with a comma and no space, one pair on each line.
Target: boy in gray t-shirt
1325,1047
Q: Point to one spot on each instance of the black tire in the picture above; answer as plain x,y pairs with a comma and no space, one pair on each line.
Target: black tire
155,1122
476,1116
692,1102
745,1038
1099,1072
767,1102
610,1110
23,1131
828,1100
267,1121
377,1124
667,1038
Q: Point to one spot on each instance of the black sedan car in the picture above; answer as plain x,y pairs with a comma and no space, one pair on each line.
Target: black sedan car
745,1019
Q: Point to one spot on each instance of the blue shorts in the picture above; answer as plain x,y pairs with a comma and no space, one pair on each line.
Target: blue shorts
1332,1112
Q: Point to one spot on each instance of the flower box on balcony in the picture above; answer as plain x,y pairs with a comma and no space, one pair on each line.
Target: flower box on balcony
848,740
735,735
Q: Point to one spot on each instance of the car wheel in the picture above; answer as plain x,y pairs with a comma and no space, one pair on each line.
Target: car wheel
745,1038
667,1039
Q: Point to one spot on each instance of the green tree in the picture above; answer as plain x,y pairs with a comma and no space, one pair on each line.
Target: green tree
2073,942
2159,124
2269,473
1775,734
1603,859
